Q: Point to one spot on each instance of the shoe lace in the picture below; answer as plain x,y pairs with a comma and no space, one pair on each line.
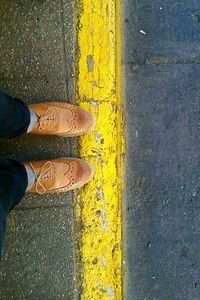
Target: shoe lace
47,119
45,174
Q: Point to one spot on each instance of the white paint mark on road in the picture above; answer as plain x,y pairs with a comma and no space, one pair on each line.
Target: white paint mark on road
142,31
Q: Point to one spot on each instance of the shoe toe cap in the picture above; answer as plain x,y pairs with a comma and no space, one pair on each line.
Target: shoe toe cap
85,121
85,172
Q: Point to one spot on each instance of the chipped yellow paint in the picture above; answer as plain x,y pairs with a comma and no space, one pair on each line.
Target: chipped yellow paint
99,203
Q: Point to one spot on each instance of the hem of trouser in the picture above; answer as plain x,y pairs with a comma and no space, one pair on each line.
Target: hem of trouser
24,175
27,120
19,180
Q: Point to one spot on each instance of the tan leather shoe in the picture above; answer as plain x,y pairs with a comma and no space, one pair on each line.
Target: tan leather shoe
59,118
60,175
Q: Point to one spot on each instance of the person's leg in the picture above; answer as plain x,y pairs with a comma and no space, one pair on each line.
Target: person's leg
44,176
14,116
52,118
13,184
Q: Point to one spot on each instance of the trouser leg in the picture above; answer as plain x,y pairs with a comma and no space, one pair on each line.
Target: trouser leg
13,184
14,116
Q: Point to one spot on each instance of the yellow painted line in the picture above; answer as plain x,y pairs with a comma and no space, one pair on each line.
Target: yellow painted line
99,203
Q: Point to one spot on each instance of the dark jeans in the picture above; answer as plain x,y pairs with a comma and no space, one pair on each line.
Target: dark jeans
14,121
